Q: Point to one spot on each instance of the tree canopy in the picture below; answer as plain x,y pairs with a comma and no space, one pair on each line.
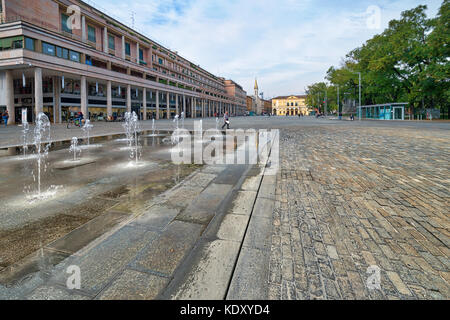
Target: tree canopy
407,62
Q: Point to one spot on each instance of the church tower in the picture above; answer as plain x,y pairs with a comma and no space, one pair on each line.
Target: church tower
257,101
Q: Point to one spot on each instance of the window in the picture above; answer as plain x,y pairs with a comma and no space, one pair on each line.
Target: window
91,34
48,49
29,44
64,23
65,54
127,49
11,43
17,44
160,61
74,56
141,54
89,60
59,52
112,42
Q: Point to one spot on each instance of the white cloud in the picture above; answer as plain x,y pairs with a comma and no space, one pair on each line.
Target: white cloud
287,44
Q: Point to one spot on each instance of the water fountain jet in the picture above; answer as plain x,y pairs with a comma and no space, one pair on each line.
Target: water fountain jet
87,129
74,148
25,130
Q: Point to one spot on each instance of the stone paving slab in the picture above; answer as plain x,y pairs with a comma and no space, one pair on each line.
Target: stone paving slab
268,186
233,227
211,275
157,217
264,207
134,285
87,233
165,253
99,264
259,233
231,174
249,280
243,202
252,183
204,207
55,293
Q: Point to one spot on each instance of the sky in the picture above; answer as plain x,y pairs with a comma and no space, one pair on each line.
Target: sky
285,44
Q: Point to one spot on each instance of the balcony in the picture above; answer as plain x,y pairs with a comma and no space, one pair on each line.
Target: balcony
43,25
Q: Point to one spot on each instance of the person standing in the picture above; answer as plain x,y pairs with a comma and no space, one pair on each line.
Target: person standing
5,116
226,119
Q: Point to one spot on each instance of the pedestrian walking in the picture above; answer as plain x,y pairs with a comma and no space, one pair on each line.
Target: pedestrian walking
226,120
5,117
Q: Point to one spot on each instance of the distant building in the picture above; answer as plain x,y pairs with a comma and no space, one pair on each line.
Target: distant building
249,103
267,106
290,105
255,104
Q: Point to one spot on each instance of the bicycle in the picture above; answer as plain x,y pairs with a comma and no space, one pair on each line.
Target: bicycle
77,122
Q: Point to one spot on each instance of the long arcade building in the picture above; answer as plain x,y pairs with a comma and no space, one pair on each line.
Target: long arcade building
64,56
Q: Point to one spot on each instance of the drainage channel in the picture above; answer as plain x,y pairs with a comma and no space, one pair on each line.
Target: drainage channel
248,224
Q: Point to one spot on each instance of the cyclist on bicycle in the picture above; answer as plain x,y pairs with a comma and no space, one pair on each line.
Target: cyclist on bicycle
79,118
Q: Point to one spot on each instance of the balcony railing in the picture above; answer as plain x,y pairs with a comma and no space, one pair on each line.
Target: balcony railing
41,24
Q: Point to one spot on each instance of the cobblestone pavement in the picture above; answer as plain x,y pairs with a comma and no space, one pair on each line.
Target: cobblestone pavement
352,197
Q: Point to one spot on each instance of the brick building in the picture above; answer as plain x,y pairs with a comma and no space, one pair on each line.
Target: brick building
65,56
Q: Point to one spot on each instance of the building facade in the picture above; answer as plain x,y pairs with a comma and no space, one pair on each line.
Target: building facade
236,92
64,56
250,104
255,104
290,106
267,106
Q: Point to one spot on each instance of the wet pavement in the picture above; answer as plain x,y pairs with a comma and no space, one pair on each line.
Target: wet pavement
104,188
348,195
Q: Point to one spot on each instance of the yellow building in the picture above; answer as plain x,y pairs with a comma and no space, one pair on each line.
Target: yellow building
290,106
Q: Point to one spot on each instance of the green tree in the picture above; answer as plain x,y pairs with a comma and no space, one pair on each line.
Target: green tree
407,62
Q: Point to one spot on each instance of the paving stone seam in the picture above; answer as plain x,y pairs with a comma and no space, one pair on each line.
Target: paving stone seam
249,220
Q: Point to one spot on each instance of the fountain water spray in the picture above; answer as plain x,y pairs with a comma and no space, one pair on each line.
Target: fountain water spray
41,134
217,123
127,126
87,128
183,116
131,129
177,122
26,129
74,148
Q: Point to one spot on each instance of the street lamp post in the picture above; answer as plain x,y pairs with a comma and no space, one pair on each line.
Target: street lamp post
338,104
359,109
318,102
